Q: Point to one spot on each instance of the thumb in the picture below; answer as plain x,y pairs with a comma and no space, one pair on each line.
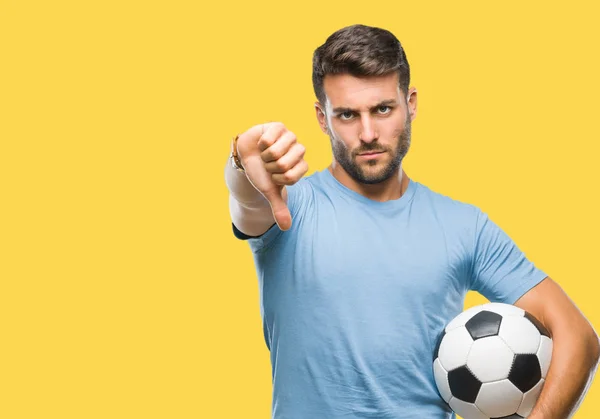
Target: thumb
281,213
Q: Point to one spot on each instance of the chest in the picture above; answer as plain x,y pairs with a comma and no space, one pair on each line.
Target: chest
356,257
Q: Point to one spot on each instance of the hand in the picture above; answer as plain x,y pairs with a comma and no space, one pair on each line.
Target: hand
272,158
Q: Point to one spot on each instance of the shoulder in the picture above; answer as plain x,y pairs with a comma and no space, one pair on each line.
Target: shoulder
301,193
304,193
445,206
300,200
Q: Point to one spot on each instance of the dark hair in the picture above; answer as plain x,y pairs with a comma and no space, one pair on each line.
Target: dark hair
361,51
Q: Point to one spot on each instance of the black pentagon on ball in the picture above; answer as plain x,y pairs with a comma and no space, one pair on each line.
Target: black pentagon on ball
483,324
463,384
540,327
525,372
515,416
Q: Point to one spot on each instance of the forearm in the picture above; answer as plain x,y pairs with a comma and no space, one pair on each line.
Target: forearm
240,188
573,365
249,209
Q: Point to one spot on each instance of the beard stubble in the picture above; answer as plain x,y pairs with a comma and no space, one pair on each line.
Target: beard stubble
347,158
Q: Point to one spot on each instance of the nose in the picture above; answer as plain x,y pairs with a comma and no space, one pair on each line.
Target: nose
368,131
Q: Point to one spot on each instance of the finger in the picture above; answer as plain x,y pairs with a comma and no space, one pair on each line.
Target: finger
291,176
272,132
288,160
279,207
281,146
255,132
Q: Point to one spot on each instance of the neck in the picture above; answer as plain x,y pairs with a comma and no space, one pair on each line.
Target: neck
391,188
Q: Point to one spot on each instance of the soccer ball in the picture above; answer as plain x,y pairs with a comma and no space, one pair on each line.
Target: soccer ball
491,362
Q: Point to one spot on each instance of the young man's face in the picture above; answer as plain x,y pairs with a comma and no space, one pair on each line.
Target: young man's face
368,121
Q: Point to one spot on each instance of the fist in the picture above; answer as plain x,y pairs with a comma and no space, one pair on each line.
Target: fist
272,158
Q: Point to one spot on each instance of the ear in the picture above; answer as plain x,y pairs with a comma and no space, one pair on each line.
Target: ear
321,117
411,101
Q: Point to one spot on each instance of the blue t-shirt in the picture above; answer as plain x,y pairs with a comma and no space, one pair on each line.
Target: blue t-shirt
355,295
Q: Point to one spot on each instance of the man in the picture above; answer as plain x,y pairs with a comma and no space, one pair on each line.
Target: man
360,267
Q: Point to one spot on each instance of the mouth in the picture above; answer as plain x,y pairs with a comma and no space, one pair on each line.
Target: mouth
371,154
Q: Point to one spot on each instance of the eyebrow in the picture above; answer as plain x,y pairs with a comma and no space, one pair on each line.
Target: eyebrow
383,103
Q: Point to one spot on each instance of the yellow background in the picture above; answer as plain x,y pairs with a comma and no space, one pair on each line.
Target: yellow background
123,291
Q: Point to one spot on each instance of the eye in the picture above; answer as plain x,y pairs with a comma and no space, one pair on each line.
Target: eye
384,109
346,115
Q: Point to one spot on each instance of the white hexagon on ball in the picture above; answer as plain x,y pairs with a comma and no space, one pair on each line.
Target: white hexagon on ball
486,349
530,398
466,410
454,348
504,309
441,380
499,398
544,354
520,335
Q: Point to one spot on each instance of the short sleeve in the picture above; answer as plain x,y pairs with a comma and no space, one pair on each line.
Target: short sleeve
500,272
298,195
